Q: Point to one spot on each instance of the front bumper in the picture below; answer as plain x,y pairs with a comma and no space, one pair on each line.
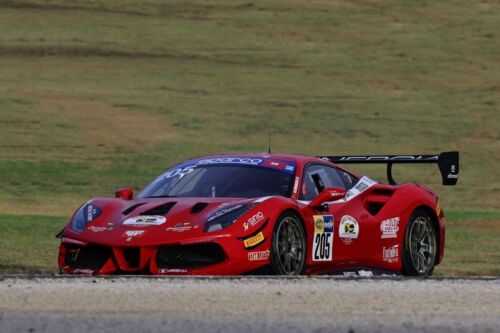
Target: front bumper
218,256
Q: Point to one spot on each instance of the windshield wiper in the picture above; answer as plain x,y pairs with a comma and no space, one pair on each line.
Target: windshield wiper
160,196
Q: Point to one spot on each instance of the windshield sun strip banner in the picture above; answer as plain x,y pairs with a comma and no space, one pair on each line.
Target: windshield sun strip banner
188,167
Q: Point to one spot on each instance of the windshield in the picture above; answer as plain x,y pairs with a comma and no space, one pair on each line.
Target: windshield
223,180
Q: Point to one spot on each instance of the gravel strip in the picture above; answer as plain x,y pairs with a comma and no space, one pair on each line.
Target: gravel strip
249,305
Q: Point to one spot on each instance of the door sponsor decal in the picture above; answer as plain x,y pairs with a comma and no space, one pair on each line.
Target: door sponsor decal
389,228
323,238
390,254
348,229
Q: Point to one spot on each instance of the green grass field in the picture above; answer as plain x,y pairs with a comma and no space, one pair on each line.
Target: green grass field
95,95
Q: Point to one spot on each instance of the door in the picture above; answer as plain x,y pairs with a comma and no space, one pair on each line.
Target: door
339,244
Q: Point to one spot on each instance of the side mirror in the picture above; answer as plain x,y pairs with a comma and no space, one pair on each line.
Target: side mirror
124,193
328,194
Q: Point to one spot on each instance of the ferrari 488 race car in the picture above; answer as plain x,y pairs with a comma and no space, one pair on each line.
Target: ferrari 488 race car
263,214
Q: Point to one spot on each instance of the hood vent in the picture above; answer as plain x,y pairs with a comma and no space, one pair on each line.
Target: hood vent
131,208
198,207
160,210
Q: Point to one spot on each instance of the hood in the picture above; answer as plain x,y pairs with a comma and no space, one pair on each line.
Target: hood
151,221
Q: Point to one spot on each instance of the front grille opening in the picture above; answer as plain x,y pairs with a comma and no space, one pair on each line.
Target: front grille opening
86,257
160,210
189,256
132,255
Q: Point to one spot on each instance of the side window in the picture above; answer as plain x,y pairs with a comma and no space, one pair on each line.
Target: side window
317,177
349,180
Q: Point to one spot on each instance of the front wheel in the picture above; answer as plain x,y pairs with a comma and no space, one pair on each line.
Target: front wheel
288,250
419,245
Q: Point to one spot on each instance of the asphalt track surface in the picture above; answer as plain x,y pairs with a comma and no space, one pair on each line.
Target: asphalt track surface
319,304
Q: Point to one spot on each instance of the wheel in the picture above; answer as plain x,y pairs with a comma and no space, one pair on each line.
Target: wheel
419,245
288,249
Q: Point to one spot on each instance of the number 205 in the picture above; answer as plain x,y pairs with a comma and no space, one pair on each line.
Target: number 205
323,246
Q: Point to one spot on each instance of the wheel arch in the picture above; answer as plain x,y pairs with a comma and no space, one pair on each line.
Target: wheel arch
299,216
435,224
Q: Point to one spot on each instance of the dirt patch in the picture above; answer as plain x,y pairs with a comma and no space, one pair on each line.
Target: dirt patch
65,125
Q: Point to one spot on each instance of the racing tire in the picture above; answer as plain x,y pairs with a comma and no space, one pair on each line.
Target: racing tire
288,249
419,245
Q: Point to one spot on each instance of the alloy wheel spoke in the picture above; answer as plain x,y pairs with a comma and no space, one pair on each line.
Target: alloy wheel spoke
288,262
422,244
425,248
422,229
290,246
423,260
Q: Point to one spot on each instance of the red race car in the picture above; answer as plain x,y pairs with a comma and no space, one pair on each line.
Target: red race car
263,214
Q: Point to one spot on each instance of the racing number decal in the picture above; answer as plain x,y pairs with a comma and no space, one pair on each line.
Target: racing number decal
322,244
323,238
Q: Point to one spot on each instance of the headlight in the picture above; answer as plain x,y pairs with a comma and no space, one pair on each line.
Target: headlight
226,216
86,214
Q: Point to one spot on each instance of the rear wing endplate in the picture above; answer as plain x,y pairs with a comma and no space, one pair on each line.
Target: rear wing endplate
447,162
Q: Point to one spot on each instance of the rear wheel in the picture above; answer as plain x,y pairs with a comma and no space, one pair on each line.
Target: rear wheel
288,250
420,245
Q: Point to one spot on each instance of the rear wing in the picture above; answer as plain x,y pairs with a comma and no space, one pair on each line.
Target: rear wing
447,162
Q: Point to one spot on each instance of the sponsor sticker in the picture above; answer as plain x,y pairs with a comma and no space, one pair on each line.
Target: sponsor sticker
258,217
98,229
362,185
362,273
82,271
365,273
180,227
183,169
231,160
390,254
145,220
223,211
323,238
129,234
348,229
389,228
91,212
171,270
254,240
296,185
258,255
274,164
